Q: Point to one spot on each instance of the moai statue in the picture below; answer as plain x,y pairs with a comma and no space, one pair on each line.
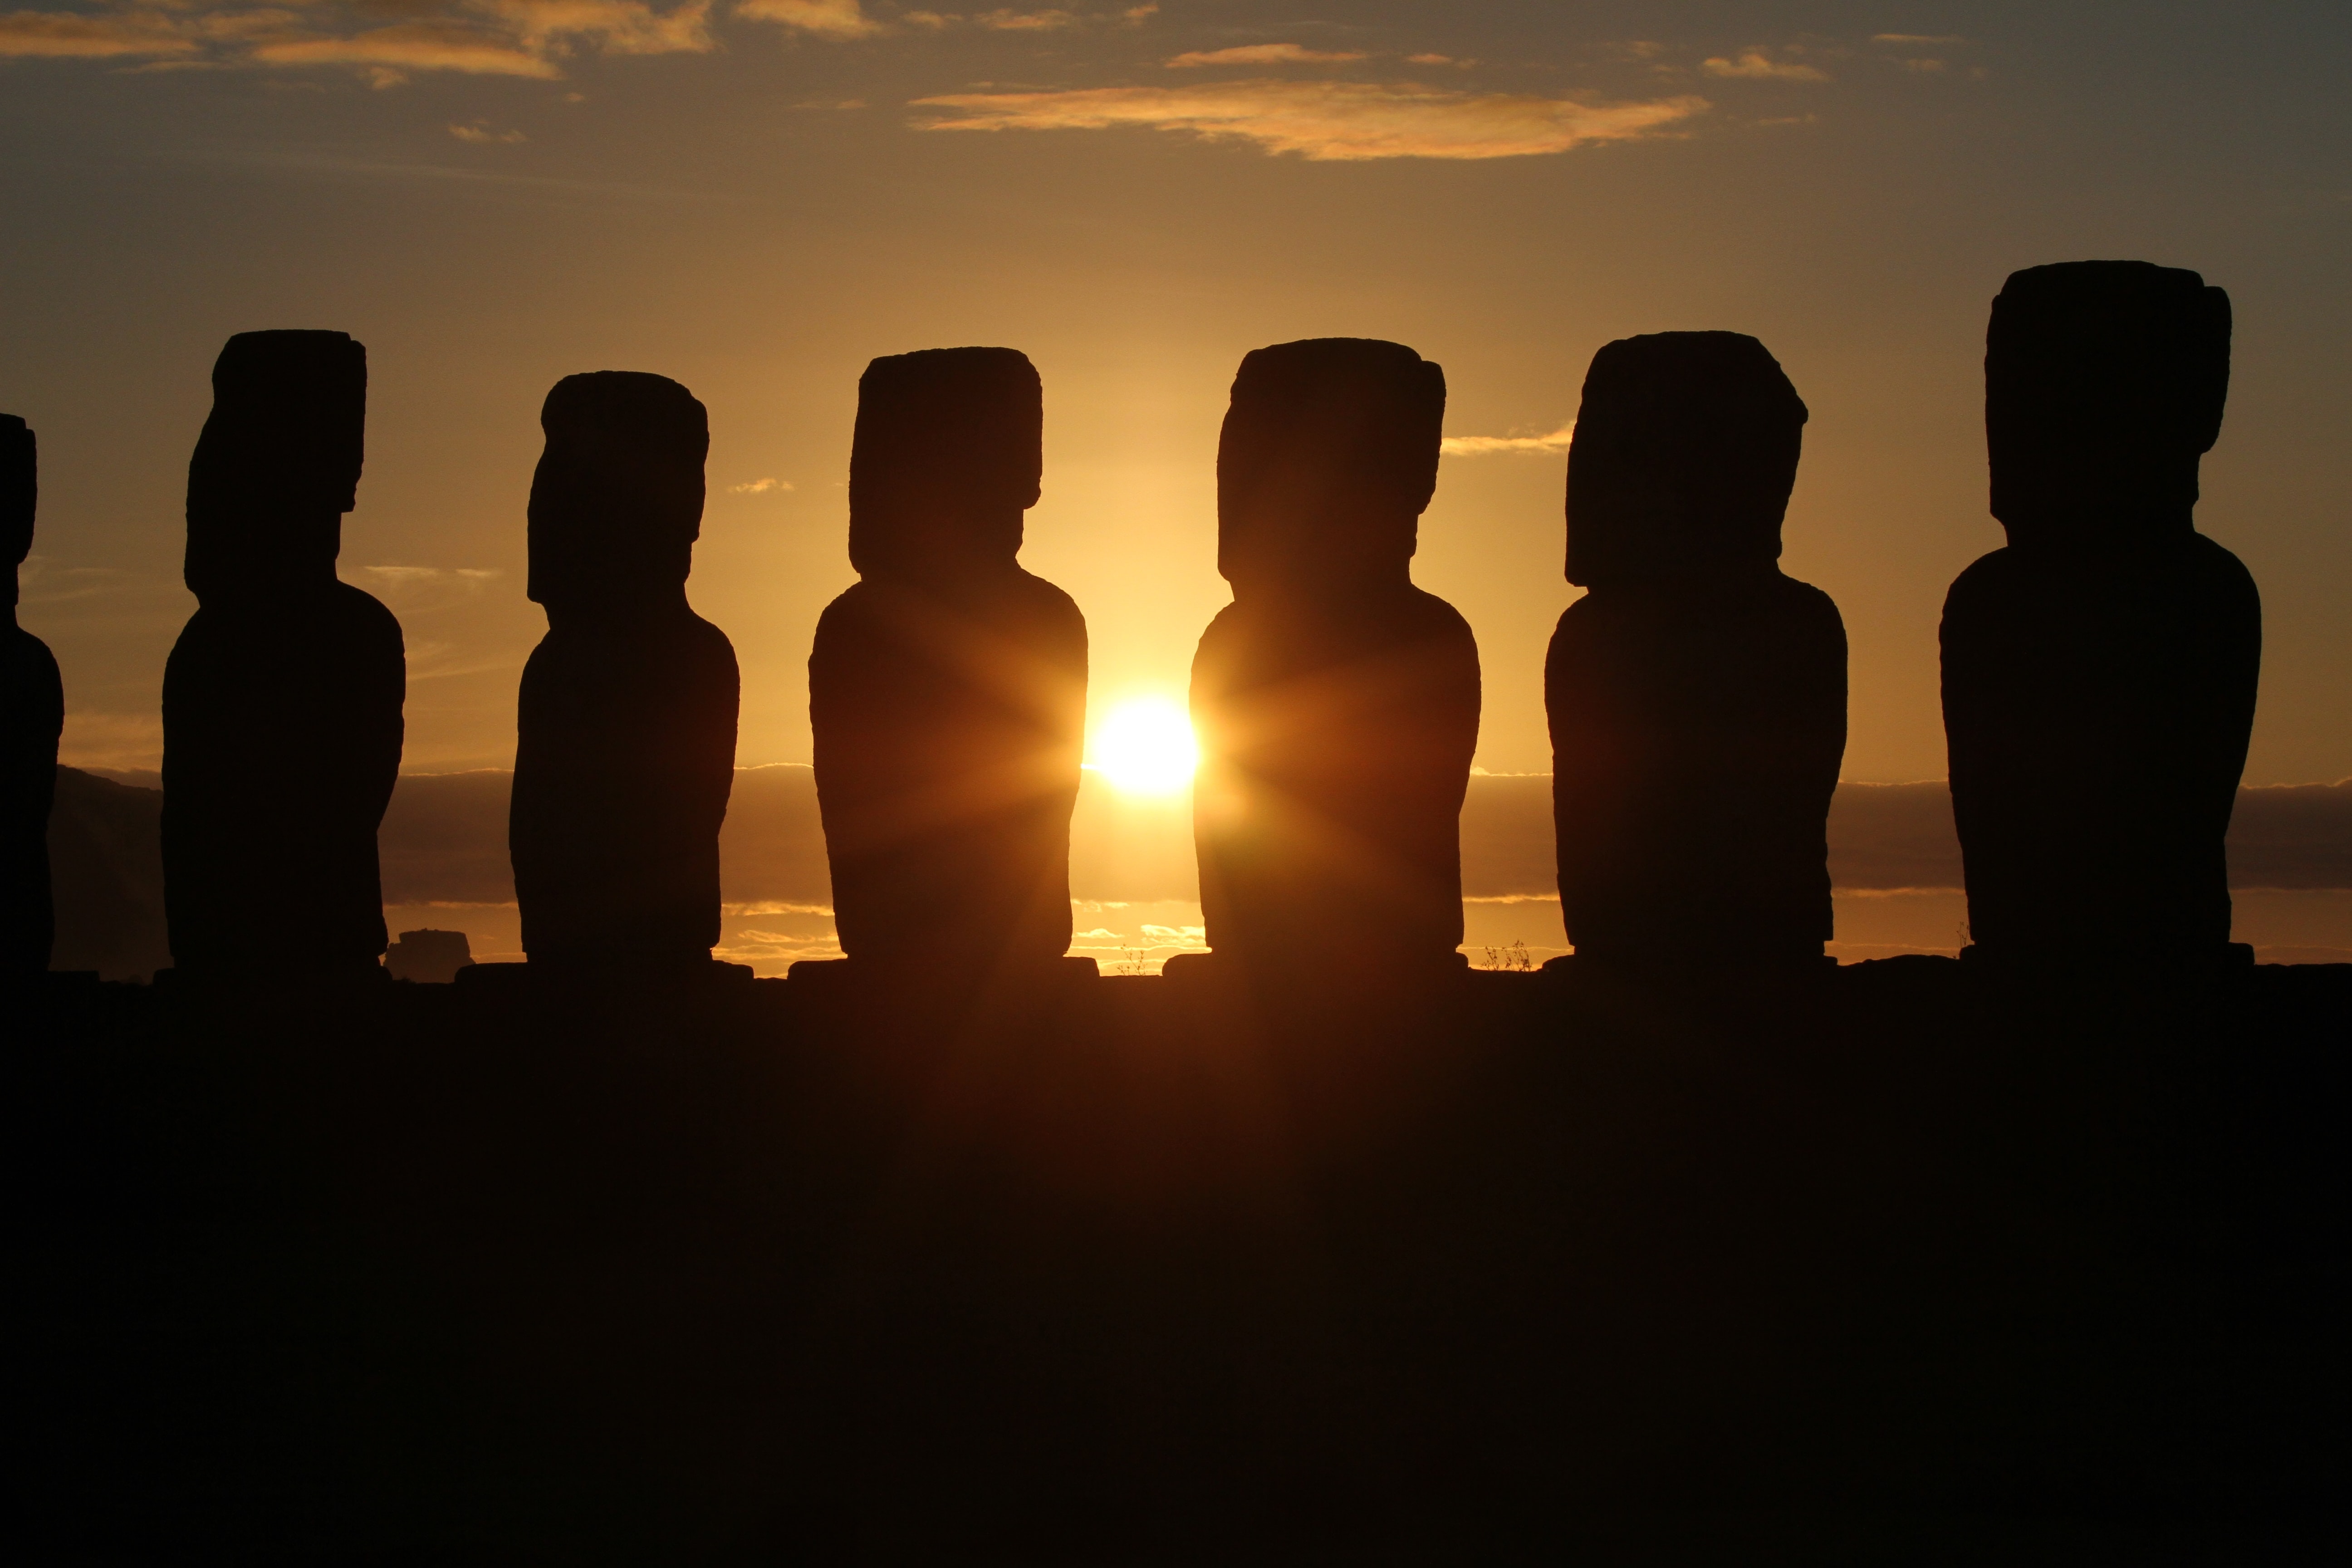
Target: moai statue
625,750
2099,672
1336,705
282,697
32,713
948,687
1696,695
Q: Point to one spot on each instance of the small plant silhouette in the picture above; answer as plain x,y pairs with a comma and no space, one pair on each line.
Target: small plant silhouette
1513,960
1131,961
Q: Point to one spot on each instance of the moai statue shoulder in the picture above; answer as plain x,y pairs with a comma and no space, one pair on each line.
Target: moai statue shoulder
948,687
2100,672
282,697
625,750
1336,703
32,714
1695,693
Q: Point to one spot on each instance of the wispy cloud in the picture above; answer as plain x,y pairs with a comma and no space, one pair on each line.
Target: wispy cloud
837,19
1275,55
1484,446
425,587
385,41
1757,66
1915,62
1325,121
1008,21
476,37
482,133
759,487
843,20
41,581
414,46
616,26
70,35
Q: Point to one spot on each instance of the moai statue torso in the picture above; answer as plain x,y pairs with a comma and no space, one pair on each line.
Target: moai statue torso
625,750
1336,705
1696,695
2099,672
32,713
948,687
282,697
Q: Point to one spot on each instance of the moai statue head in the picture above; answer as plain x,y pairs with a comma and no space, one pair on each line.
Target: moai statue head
616,501
1685,452
2104,387
949,453
19,490
1328,458
278,463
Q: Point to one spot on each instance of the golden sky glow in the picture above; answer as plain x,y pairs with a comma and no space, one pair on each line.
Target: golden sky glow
756,197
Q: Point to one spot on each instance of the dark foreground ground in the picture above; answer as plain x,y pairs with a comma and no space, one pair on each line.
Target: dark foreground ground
1903,1263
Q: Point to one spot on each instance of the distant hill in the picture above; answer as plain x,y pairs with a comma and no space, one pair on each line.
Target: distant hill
106,876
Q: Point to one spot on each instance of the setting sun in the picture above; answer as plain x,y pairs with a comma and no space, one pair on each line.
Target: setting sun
1145,746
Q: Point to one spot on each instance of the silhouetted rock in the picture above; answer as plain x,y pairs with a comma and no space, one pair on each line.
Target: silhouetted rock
625,750
32,713
428,957
948,687
2100,672
282,697
1696,695
1336,704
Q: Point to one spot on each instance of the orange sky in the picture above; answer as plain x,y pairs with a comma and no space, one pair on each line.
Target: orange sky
757,199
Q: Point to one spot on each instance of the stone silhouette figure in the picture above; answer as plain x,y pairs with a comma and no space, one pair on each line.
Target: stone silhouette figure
948,687
625,752
282,697
1336,704
1696,694
2099,672
32,713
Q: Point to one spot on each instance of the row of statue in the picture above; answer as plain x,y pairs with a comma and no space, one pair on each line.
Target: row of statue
2099,672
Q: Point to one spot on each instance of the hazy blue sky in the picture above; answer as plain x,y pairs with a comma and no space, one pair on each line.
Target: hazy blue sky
755,198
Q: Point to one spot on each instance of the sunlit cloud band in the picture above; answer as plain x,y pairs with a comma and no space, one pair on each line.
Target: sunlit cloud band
1262,55
1325,121
1482,446
419,45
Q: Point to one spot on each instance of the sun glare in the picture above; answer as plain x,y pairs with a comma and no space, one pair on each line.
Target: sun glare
1144,746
